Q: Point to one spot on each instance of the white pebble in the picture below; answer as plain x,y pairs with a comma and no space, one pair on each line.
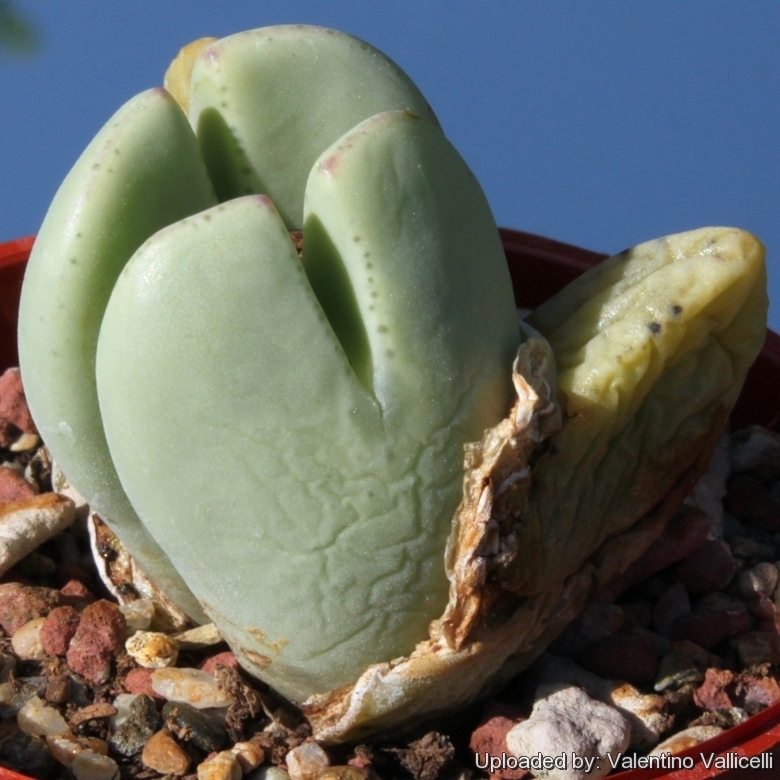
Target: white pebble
7,693
223,766
306,761
199,637
65,747
25,443
754,446
26,642
93,766
191,686
27,527
567,721
682,740
269,773
122,702
762,578
647,713
36,717
138,615
153,650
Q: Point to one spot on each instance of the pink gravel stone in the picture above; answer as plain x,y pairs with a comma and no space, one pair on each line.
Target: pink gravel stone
755,689
58,629
490,737
13,486
712,628
140,681
717,690
19,604
709,568
622,657
227,658
100,633
76,592
361,762
68,571
13,404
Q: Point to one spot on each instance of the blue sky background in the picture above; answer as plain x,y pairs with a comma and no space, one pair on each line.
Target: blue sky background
602,124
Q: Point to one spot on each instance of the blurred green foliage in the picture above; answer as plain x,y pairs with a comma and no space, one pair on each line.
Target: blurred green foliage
18,35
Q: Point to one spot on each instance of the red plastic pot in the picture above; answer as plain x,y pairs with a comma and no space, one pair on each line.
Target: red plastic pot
539,268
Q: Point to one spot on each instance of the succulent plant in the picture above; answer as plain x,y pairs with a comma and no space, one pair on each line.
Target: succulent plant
146,169
307,421
281,433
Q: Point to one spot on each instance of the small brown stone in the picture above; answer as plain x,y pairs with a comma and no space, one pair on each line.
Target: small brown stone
92,712
426,758
709,568
344,773
19,604
164,754
712,628
58,689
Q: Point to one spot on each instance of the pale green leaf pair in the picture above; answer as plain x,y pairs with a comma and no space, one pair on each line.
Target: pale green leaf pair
290,433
